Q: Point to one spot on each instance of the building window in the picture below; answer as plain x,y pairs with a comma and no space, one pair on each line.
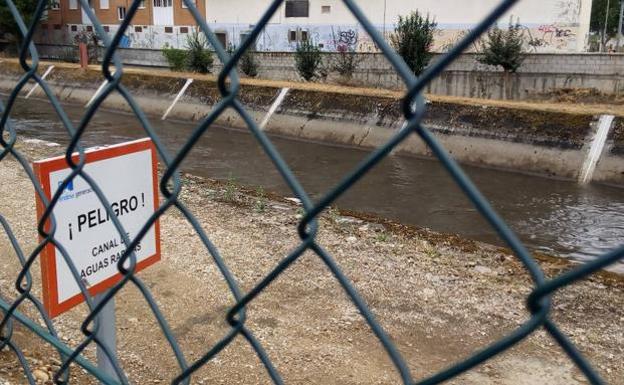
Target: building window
192,1
297,8
142,4
57,26
73,4
183,29
138,29
326,9
243,36
297,35
74,28
222,37
55,5
104,4
89,28
168,29
106,28
121,13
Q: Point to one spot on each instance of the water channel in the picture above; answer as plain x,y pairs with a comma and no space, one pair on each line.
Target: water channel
550,215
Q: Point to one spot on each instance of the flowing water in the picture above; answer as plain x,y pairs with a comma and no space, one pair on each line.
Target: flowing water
550,215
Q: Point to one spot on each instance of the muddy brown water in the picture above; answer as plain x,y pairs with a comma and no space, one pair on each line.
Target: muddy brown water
554,216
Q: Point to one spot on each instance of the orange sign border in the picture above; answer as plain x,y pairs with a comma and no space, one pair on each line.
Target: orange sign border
42,170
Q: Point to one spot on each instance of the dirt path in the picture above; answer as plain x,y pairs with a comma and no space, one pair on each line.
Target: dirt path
440,298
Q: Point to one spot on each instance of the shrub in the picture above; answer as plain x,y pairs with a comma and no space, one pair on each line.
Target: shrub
199,58
503,48
413,39
248,64
175,57
308,60
346,62
260,203
230,191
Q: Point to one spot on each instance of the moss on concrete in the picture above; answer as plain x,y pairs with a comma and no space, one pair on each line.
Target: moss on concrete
538,127
617,136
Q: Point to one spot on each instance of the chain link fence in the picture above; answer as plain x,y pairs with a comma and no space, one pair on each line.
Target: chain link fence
538,302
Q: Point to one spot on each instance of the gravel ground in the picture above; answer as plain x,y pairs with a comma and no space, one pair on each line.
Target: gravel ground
439,297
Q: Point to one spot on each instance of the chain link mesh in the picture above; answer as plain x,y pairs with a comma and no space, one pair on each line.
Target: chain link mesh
538,302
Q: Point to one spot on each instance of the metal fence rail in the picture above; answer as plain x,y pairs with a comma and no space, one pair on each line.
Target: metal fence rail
538,302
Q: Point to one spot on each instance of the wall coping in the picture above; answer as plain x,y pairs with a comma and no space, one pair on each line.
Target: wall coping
553,54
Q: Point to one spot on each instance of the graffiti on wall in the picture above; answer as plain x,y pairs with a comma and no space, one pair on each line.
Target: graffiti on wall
543,38
554,31
550,37
366,44
445,40
348,38
555,37
351,39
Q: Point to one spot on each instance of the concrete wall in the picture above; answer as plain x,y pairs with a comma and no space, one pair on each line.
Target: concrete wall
540,141
540,73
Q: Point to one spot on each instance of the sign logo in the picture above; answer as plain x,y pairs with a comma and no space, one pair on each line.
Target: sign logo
69,187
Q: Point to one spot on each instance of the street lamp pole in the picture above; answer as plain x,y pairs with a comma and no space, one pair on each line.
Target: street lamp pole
604,32
619,30
384,20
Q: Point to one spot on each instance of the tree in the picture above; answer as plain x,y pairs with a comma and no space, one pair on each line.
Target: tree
413,39
598,15
8,26
503,48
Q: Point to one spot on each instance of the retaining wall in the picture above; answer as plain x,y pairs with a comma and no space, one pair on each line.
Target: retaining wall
540,73
545,142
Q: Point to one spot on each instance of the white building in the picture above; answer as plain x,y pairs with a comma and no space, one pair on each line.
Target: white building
549,25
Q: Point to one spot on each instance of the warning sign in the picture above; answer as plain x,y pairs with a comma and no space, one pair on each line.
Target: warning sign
127,175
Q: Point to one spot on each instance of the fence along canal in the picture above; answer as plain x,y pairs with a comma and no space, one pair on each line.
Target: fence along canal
538,302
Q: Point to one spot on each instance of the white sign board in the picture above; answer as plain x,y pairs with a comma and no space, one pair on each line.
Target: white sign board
127,175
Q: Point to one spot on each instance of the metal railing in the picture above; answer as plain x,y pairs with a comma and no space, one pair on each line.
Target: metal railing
538,302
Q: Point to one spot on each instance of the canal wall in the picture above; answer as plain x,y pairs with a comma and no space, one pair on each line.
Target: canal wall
540,75
519,138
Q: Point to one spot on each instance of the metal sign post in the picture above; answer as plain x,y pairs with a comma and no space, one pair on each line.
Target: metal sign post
107,335
619,31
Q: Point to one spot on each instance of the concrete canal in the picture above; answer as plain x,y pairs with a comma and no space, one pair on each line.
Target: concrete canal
551,215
